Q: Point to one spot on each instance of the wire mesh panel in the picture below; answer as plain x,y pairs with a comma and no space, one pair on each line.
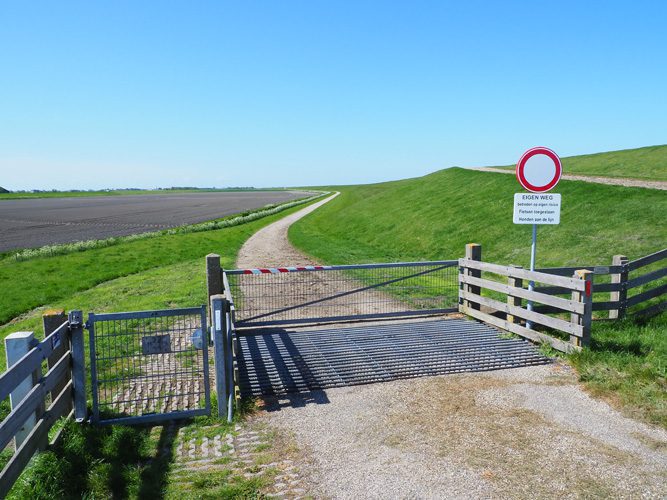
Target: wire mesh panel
149,365
319,293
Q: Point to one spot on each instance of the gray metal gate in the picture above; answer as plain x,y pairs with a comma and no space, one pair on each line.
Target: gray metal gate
313,294
149,366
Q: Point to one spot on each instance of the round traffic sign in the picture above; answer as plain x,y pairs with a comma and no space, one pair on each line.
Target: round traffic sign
539,169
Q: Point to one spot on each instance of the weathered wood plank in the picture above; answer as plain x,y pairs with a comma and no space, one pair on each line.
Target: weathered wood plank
29,363
39,434
566,305
647,278
558,324
553,290
569,271
523,332
649,259
515,272
14,421
649,294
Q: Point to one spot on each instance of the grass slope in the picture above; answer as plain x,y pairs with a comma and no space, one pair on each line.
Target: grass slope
433,217
162,272
649,163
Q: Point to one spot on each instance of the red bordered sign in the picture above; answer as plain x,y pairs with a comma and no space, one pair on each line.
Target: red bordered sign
539,170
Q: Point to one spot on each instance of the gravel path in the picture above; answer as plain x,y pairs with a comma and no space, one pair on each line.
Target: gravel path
527,432
614,181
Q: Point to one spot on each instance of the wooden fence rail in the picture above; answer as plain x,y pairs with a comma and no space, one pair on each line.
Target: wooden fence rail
509,313
30,387
625,277
562,291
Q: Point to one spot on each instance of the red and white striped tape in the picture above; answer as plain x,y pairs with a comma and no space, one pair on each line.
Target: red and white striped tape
278,270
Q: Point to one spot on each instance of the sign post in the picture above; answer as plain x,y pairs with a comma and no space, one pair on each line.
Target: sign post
538,171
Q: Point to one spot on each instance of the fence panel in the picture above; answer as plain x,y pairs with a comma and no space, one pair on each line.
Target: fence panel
30,420
292,295
149,366
474,301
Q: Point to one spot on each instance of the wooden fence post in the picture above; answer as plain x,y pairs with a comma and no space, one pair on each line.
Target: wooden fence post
17,345
586,298
514,301
473,252
621,278
213,280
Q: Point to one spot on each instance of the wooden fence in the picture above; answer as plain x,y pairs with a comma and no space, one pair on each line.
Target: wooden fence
628,289
564,292
40,395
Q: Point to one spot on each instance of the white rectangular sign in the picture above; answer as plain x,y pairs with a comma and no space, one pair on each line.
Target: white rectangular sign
536,208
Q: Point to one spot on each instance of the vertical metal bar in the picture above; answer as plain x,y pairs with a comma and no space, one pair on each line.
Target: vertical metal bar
531,283
93,368
204,333
218,326
229,356
78,365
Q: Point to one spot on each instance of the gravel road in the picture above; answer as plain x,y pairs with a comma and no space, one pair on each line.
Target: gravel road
613,181
37,222
521,433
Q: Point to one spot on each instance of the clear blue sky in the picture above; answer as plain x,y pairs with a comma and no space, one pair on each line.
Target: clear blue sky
117,94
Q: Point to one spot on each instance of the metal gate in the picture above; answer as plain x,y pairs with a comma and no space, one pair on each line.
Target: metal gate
149,366
315,294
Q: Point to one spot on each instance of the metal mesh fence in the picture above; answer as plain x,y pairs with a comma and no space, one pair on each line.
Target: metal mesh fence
312,294
148,364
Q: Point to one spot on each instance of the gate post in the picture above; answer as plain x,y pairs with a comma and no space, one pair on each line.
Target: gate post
218,327
78,365
622,279
473,252
586,298
511,300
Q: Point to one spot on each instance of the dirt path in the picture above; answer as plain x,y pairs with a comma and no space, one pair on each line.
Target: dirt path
614,181
527,432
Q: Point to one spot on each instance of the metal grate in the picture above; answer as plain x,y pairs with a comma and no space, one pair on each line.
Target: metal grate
281,361
146,367
325,293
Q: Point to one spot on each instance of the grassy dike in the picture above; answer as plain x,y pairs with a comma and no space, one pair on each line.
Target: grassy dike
119,461
434,216
649,163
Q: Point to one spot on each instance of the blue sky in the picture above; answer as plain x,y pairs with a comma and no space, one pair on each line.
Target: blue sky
147,94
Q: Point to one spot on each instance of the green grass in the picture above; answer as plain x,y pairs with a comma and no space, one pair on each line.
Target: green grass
649,163
162,272
121,192
627,364
433,217
124,462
